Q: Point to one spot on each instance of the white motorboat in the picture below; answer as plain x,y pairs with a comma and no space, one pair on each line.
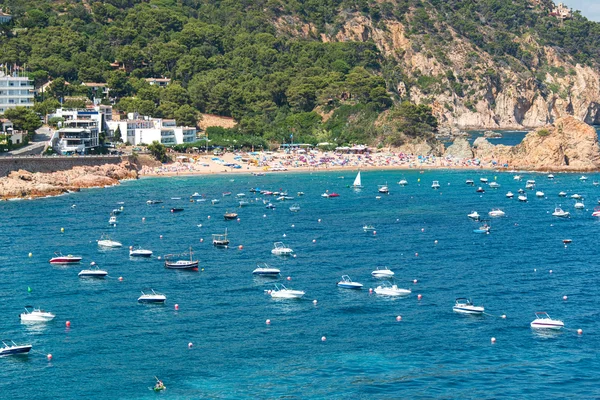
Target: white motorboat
279,249
387,289
382,273
59,259
383,189
402,182
559,212
494,185
522,197
529,186
112,220
470,182
281,292
295,207
576,196
562,194
550,176
539,193
196,195
368,228
106,241
583,178
347,283
139,252
32,314
240,195
596,212
543,321
263,269
496,212
13,349
474,215
244,203
595,183
465,306
510,195
530,182
579,205
483,180
92,272
357,182
150,296
150,202
435,185
517,177
215,201
520,191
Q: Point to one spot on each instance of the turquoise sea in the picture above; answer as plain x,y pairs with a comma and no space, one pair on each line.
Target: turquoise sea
115,347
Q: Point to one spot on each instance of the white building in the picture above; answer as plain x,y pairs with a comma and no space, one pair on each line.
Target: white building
80,131
136,131
15,91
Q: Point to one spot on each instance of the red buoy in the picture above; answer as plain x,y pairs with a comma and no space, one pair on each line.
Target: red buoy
68,324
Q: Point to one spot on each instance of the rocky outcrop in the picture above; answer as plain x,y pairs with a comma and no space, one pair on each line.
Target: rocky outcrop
459,149
24,184
567,145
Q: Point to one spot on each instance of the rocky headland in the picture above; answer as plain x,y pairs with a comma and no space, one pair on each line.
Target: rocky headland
25,184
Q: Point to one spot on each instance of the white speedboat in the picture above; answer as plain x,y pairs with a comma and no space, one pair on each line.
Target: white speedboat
368,228
579,205
196,195
510,195
583,178
496,212
559,212
435,185
539,193
465,306
402,182
32,314
596,212
383,189
543,321
387,289
106,241
112,220
244,203
576,196
263,269
470,182
483,180
382,273
92,273
474,215
517,177
562,194
281,292
494,185
139,252
522,197
295,207
150,296
279,249
347,283
550,176
13,349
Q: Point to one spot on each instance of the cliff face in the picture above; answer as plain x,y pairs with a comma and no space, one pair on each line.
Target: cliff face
467,87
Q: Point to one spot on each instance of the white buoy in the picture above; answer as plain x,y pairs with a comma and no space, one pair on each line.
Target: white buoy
370,290
323,338
314,240
315,302
419,297
550,271
284,235
268,322
398,318
503,316
293,226
190,345
435,242
49,356
415,281
565,297
493,340
579,331
264,215
320,222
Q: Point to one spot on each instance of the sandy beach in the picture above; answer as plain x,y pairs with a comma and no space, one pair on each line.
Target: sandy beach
267,162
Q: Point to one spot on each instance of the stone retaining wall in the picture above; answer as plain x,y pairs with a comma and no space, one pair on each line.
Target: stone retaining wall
54,163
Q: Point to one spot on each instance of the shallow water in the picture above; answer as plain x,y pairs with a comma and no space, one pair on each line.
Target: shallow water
115,347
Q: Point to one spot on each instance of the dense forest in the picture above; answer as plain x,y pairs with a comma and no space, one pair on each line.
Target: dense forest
232,58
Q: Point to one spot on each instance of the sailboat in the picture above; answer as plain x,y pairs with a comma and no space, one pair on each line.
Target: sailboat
357,182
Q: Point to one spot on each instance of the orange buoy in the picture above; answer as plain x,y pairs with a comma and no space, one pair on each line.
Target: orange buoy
374,232
161,236
370,290
209,217
240,247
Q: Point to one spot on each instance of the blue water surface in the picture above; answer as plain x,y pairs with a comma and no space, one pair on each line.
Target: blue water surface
115,346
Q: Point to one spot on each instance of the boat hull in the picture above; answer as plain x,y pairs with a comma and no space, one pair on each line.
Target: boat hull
15,350
187,265
468,310
65,260
37,318
92,274
350,285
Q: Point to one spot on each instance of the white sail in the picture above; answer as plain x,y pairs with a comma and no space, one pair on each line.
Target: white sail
357,182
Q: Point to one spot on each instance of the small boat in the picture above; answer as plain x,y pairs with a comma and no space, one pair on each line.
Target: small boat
175,198
279,249
270,206
596,212
583,178
239,195
220,240
382,273
328,195
295,207
105,241
402,182
470,182
230,215
300,193
529,186
559,212
474,215
281,292
562,194
435,185
215,201
180,263
386,289
347,283
32,314
520,191
139,252
117,211
59,259
485,228
196,195
254,190
92,273
579,205
494,185
153,202
465,306
368,228
539,193
550,176
383,189
543,321
483,180
357,182
530,182
244,203
480,190
176,209
517,177
13,349
522,197
496,212
263,269
576,196
150,296
595,183
112,220
159,387
510,195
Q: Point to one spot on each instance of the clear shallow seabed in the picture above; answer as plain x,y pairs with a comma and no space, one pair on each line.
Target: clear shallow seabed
115,346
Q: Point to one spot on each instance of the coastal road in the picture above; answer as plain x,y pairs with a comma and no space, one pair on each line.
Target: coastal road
35,147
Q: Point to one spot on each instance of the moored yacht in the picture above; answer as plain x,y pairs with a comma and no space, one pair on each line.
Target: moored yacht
347,283
281,292
559,212
263,269
150,296
543,321
32,314
382,273
279,249
387,289
465,306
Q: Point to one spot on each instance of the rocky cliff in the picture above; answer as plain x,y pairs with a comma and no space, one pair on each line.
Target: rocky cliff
24,184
